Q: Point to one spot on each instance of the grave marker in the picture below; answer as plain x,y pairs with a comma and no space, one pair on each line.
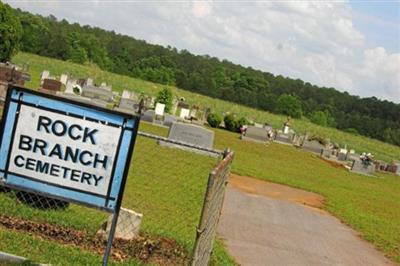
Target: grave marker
256,134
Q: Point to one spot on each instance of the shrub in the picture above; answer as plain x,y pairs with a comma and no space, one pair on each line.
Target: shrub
231,123
214,120
243,121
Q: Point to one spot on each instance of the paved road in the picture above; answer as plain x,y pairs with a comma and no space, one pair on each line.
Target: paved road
264,230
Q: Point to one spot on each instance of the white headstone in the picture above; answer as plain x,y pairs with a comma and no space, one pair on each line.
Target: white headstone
160,109
69,87
126,94
89,82
64,79
184,113
285,130
45,75
193,112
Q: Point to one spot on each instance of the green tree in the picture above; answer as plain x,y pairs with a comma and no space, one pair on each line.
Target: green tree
289,105
10,32
165,97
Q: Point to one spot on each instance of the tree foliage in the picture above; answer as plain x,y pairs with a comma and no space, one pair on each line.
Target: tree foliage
203,74
289,105
165,96
322,118
10,32
214,119
231,123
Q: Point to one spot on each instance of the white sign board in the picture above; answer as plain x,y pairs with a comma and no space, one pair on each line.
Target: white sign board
66,149
160,109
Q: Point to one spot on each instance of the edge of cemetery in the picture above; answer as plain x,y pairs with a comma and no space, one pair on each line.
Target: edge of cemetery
367,204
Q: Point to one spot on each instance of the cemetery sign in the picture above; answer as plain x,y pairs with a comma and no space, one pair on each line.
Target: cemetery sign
64,149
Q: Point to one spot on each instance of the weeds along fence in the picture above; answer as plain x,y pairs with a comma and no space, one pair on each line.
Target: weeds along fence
168,191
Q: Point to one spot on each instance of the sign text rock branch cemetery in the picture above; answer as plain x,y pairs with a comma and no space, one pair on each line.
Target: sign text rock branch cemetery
63,149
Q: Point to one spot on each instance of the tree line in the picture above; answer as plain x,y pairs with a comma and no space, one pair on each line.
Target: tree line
203,74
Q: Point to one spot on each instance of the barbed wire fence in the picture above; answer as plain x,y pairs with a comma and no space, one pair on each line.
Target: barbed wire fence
168,192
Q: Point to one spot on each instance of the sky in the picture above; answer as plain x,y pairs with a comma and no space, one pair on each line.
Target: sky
352,46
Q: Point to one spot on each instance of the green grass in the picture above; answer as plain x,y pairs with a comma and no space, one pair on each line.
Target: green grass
37,64
166,185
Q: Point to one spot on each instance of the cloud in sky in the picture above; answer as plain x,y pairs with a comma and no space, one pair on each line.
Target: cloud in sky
315,41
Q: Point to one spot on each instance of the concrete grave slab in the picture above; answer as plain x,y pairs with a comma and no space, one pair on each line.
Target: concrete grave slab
313,146
256,134
360,168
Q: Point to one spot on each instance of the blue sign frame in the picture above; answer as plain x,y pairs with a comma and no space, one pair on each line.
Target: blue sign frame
129,124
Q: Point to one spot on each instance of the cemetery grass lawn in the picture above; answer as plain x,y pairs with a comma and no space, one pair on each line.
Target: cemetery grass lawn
166,185
37,64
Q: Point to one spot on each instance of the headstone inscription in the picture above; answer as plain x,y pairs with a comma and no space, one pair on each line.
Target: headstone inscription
256,134
190,134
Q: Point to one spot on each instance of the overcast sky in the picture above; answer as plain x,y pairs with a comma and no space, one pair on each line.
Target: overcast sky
353,46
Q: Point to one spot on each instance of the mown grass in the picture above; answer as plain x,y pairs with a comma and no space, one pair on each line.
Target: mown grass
37,64
166,185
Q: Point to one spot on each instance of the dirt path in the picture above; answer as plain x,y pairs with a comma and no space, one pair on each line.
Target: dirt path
264,223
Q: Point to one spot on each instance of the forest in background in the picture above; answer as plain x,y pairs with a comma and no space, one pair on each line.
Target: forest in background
48,36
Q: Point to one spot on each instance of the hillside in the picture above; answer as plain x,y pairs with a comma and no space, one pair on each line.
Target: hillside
37,64
207,75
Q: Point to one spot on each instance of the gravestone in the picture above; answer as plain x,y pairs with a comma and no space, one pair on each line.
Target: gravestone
94,92
313,146
128,101
326,153
192,135
45,75
128,225
160,107
284,138
89,82
256,134
184,113
148,116
361,168
51,85
69,87
64,79
342,155
169,120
